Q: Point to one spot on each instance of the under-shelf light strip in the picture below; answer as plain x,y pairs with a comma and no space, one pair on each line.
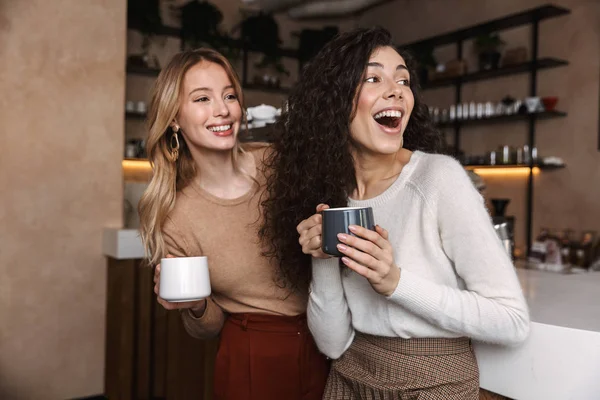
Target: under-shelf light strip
136,164
499,171
144,165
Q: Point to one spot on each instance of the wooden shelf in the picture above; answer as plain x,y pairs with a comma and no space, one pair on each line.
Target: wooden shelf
543,63
281,52
152,72
135,115
176,32
271,89
144,71
135,159
163,31
504,118
258,134
263,134
510,21
540,166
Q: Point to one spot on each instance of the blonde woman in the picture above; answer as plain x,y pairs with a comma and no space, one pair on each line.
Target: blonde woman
203,199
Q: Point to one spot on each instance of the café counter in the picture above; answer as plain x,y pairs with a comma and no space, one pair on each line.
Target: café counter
149,353
561,357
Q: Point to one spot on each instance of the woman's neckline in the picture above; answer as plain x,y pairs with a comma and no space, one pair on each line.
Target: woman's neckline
402,177
229,201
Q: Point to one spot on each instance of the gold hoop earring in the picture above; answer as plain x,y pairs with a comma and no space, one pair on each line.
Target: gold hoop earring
174,153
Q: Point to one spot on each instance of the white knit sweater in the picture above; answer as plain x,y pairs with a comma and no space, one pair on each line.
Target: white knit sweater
456,278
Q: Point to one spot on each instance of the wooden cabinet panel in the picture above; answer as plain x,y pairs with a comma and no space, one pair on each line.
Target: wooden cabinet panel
119,330
149,355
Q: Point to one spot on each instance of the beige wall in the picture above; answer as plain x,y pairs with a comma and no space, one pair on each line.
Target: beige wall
568,198
62,82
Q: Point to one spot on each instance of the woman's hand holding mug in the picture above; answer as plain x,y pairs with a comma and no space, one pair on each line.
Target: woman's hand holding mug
310,234
370,254
197,307
364,249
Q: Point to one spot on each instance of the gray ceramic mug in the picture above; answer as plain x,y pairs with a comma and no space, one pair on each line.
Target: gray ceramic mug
337,220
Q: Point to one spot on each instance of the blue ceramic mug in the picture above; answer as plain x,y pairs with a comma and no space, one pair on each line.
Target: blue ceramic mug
337,220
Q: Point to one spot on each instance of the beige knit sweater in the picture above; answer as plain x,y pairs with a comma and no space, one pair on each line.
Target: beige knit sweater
226,231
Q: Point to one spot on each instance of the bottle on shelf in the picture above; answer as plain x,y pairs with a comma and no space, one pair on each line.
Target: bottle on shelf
583,253
595,263
566,245
537,253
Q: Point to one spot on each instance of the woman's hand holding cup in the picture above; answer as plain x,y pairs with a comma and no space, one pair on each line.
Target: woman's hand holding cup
310,234
370,254
351,233
196,306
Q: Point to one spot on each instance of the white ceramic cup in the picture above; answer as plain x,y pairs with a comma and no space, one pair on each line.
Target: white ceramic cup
141,107
264,112
533,104
184,279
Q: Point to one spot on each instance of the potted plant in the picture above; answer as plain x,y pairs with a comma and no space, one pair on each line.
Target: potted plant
144,16
313,40
488,48
200,22
260,32
426,63
272,69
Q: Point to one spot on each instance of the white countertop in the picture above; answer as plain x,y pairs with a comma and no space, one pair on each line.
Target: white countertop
568,300
561,358
122,244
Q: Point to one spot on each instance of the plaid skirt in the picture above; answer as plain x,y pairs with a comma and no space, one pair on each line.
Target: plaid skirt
376,367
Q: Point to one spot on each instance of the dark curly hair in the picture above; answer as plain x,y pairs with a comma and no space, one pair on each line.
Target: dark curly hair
312,162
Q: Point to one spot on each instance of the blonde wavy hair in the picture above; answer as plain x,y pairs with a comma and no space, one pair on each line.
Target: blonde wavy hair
168,177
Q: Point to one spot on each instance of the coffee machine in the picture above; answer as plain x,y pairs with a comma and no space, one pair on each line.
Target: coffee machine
504,225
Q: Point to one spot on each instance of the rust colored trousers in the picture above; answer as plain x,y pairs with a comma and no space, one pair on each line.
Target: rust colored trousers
266,357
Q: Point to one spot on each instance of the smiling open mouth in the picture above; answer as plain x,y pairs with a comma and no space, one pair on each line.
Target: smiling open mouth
389,119
219,128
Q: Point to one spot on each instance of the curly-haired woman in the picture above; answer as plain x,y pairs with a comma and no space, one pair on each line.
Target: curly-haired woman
398,311
204,199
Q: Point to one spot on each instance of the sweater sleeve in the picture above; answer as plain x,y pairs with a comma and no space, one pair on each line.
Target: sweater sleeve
492,307
329,317
210,323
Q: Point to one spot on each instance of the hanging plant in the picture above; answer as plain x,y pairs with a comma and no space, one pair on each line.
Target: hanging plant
488,43
274,62
260,32
426,62
144,16
200,27
488,48
313,40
